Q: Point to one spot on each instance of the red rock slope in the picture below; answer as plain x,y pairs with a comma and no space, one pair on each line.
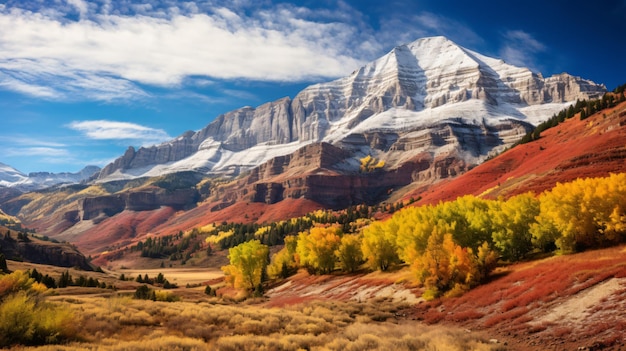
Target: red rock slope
593,147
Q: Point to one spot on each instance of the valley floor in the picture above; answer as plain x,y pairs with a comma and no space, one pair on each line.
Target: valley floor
557,303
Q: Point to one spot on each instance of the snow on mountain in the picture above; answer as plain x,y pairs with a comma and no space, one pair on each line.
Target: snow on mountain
12,178
413,100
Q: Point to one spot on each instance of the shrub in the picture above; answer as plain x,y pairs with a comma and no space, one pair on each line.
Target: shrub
166,296
210,291
145,293
19,281
26,320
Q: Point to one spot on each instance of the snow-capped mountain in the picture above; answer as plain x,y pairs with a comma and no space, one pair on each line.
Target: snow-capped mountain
12,178
430,96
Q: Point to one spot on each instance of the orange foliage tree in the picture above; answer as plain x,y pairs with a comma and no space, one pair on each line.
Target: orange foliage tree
447,268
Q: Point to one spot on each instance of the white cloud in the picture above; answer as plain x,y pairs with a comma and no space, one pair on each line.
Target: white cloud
117,50
107,56
81,6
32,89
520,49
112,130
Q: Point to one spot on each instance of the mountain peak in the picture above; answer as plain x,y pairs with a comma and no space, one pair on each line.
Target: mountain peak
414,87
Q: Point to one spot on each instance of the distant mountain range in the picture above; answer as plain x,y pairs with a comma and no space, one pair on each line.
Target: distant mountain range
12,178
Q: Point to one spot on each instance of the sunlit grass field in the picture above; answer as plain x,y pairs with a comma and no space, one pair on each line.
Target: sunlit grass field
119,322
104,319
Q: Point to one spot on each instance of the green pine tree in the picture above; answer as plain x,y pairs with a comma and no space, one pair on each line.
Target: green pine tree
3,264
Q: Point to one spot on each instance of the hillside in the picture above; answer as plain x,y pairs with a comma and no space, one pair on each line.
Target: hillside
20,246
561,302
593,147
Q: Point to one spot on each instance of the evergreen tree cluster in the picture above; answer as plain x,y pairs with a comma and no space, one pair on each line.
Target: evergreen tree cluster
145,293
620,89
586,108
159,280
46,280
23,237
244,232
66,280
176,247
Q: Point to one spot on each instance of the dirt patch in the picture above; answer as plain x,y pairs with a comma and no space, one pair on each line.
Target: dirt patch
578,308
356,287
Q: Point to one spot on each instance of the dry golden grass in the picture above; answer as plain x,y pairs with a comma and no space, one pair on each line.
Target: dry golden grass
109,320
180,276
118,322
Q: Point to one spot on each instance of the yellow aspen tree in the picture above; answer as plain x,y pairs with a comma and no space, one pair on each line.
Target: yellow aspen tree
512,220
248,261
316,248
349,253
283,263
379,246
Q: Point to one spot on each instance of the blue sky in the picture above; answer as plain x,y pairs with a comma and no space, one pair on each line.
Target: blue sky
81,80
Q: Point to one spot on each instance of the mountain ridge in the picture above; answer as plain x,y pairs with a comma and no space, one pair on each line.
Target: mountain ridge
12,178
412,87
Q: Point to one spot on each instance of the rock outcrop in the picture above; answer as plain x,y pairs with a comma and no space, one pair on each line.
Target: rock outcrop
142,200
43,252
318,172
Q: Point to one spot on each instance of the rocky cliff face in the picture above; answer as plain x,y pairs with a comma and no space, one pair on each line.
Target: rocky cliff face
317,172
415,87
144,200
427,110
43,252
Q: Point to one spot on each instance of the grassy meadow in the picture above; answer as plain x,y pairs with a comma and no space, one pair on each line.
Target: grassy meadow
105,319
119,322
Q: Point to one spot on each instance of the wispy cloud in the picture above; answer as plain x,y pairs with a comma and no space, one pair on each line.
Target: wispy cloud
520,48
35,151
114,49
107,50
28,141
408,27
112,130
